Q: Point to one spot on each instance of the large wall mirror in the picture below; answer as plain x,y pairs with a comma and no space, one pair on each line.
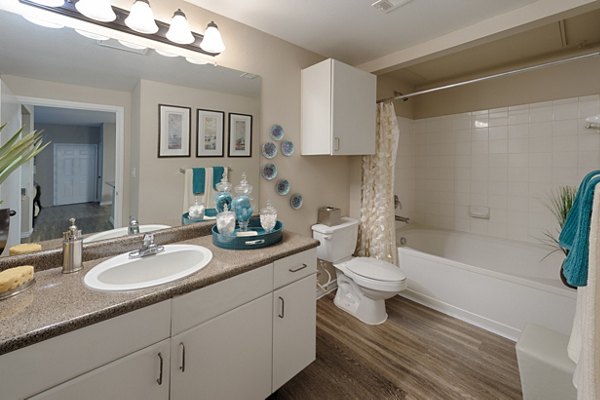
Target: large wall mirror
101,104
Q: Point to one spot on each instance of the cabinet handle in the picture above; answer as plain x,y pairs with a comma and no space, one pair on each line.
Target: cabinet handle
300,268
160,375
282,312
182,361
336,141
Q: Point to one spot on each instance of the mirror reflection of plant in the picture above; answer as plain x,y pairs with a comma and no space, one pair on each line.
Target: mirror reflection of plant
17,151
560,203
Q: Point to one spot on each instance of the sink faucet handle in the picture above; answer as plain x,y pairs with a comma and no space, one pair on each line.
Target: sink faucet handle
148,239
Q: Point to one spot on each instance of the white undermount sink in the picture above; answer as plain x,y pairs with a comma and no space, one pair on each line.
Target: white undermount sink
118,232
122,273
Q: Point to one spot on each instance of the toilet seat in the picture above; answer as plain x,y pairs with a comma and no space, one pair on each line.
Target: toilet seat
374,274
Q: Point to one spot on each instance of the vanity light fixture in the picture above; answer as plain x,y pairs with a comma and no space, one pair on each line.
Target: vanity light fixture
212,42
179,30
193,46
99,10
141,17
50,3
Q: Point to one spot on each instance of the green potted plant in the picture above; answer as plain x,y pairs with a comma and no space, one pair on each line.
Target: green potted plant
14,153
561,202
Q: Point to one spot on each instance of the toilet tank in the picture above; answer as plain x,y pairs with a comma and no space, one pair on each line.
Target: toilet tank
337,241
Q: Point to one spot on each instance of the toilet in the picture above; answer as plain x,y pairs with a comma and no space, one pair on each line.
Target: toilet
364,283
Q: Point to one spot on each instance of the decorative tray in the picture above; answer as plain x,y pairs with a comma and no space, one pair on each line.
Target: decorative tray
261,239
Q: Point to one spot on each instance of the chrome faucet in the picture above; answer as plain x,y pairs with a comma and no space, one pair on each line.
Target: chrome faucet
402,219
134,227
148,247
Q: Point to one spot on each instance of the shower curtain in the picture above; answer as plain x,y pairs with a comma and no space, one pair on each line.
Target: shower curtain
377,232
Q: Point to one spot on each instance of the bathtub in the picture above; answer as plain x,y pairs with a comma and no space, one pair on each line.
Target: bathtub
499,285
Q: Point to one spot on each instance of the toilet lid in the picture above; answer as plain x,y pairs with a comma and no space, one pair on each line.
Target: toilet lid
375,269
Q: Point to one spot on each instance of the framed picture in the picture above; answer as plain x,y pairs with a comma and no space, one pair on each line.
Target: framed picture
211,133
174,131
240,135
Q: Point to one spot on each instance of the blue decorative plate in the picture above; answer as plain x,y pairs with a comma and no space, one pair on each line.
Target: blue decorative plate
296,201
269,171
282,187
269,150
277,132
287,148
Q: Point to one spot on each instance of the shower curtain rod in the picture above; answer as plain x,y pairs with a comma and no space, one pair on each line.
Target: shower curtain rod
498,75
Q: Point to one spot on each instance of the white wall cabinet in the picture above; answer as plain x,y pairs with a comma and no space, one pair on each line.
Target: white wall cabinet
338,110
224,341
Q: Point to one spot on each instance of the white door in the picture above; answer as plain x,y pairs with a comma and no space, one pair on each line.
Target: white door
75,172
10,190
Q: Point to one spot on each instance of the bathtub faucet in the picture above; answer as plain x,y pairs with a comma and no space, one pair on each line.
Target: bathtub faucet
402,219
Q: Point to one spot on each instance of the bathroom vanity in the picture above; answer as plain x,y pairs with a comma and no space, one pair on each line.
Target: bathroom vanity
238,329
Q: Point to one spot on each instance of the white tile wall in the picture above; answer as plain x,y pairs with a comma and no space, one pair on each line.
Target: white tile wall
508,159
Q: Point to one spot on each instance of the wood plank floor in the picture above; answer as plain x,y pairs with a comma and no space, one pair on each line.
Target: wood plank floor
418,353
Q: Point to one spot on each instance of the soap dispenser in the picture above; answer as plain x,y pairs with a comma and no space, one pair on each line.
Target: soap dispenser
72,249
224,196
241,203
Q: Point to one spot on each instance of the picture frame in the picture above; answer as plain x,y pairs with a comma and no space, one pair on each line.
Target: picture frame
210,125
174,131
240,135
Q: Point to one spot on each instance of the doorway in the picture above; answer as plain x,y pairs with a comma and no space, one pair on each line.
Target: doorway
80,171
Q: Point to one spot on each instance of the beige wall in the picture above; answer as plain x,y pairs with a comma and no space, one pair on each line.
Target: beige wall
577,78
160,181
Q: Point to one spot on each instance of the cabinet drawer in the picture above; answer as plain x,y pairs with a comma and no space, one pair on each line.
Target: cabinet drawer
294,267
201,305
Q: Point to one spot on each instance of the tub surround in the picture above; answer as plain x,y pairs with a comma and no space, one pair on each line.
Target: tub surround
59,303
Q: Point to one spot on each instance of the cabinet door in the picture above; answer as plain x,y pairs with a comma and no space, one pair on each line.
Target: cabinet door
294,329
141,375
227,357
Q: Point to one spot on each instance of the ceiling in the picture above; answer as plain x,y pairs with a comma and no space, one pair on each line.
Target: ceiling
577,34
351,30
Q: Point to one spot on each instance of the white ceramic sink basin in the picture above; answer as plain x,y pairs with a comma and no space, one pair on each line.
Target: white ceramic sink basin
122,273
118,232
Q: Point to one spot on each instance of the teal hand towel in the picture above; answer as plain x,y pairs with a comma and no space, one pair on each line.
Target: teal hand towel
217,175
198,180
569,229
575,266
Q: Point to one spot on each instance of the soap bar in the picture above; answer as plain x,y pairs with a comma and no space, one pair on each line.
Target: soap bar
12,278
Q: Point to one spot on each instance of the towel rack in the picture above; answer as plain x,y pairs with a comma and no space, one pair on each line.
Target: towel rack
229,169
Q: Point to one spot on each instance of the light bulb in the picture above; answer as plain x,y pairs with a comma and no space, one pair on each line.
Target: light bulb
141,18
212,42
179,31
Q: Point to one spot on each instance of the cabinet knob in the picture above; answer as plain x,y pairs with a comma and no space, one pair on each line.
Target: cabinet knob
336,144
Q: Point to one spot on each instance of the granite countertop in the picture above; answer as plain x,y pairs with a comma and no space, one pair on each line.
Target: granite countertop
59,303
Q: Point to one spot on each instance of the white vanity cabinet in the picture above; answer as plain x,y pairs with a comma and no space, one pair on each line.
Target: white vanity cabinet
226,354
92,359
240,338
294,316
338,110
141,375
